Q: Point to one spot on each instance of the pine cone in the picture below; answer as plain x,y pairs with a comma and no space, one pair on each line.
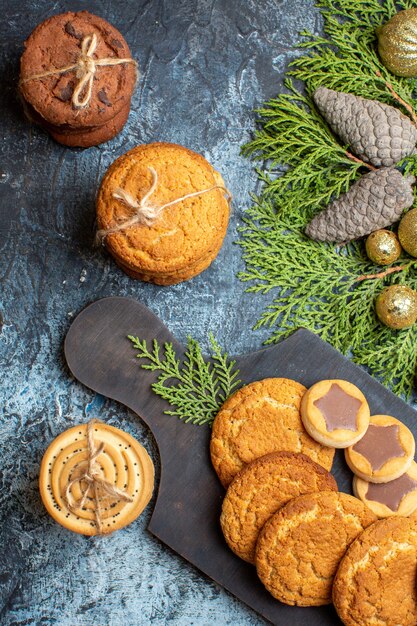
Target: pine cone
377,133
375,201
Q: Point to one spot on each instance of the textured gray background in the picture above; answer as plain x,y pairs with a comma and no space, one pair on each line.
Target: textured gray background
205,66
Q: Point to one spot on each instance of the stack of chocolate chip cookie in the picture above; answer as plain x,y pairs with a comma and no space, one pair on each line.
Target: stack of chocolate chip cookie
272,447
77,77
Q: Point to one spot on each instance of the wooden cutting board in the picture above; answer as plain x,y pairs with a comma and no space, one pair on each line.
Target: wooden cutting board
186,514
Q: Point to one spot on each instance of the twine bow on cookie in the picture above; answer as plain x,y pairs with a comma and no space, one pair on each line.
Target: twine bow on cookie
147,213
90,475
86,67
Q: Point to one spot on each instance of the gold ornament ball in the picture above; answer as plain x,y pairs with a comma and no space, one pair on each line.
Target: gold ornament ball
407,232
397,43
396,306
383,247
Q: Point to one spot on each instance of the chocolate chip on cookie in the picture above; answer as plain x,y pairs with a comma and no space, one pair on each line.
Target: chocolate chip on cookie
75,81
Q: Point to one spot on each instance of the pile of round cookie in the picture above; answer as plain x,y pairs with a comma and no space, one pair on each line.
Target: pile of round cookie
148,242
272,447
95,478
162,210
64,56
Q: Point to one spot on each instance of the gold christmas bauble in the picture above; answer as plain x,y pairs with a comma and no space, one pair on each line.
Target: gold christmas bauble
407,232
383,247
397,43
396,306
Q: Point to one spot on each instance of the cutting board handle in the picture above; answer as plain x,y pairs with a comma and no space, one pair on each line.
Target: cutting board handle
100,355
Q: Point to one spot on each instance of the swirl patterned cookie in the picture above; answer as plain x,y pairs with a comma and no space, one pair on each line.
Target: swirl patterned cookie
95,479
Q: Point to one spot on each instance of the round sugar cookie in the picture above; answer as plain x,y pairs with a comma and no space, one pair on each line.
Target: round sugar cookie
186,236
384,453
397,497
300,547
114,460
260,418
335,413
260,489
376,580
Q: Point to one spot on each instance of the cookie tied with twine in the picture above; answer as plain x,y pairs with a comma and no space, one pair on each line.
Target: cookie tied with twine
77,77
95,479
85,68
146,212
162,211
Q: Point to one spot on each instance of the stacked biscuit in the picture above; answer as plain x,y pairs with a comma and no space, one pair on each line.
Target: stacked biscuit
385,472
162,211
283,512
379,449
95,479
77,77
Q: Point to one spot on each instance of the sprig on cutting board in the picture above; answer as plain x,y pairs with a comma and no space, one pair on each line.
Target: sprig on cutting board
195,387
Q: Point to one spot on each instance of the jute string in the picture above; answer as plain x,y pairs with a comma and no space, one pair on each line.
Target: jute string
91,476
85,67
147,213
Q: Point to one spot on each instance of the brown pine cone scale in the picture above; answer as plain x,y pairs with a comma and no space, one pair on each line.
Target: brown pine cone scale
374,201
375,132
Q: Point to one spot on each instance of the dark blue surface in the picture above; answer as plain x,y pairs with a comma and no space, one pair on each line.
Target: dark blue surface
205,65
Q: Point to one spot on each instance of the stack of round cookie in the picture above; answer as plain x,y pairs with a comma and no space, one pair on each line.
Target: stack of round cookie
379,449
163,212
95,479
77,77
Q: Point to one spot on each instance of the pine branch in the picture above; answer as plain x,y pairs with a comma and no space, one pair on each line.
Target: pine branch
321,286
196,388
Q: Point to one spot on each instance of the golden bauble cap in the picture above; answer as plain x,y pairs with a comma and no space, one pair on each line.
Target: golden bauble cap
397,43
407,232
396,306
383,247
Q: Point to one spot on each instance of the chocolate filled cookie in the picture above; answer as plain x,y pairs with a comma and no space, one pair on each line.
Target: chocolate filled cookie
77,78
163,212
397,497
384,453
335,413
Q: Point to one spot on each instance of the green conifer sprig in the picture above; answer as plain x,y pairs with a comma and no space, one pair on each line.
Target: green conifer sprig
317,285
195,388
349,51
